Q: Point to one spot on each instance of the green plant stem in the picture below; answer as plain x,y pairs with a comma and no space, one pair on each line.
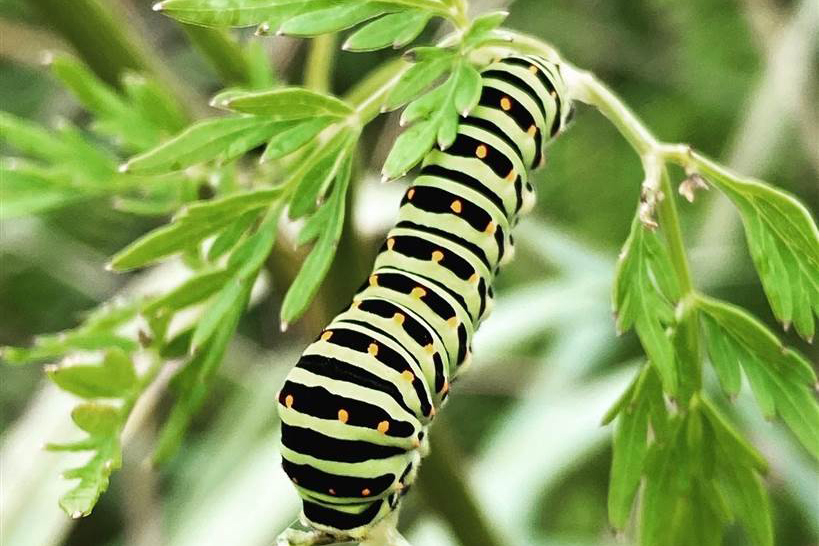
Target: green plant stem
659,195
460,14
670,220
223,53
687,319
145,381
445,491
320,59
371,105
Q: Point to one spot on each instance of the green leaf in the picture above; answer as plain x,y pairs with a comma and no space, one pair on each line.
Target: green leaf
115,117
796,404
231,205
237,13
468,92
624,399
250,256
699,477
92,92
426,105
269,13
395,29
245,262
191,227
32,139
314,226
737,449
294,138
27,190
318,171
417,79
410,148
665,473
738,465
96,419
784,243
113,378
231,235
103,424
629,451
749,333
447,129
196,289
645,289
147,206
723,359
422,54
317,264
153,103
336,18
764,392
681,505
224,303
482,25
746,493
165,241
435,116
192,384
205,141
781,379
177,346
55,346
287,104
96,333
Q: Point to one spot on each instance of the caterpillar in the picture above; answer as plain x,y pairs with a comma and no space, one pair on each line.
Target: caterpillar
356,407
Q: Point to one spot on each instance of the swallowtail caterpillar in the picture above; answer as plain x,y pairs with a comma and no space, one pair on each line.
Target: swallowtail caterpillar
356,407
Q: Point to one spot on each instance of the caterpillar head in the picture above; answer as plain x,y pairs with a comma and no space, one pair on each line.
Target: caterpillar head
532,89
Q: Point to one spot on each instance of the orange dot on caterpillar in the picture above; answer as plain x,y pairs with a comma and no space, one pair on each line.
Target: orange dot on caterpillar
418,292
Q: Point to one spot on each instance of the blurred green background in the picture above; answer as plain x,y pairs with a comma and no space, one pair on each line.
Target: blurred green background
737,79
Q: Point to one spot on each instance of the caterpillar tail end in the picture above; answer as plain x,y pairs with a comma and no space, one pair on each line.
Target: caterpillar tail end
384,533
297,537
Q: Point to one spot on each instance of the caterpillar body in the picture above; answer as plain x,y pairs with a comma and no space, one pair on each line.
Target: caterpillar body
356,407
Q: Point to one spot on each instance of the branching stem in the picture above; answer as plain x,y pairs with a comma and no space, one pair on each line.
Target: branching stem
657,197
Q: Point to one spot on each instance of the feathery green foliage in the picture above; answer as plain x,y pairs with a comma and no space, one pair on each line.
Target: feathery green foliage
696,470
